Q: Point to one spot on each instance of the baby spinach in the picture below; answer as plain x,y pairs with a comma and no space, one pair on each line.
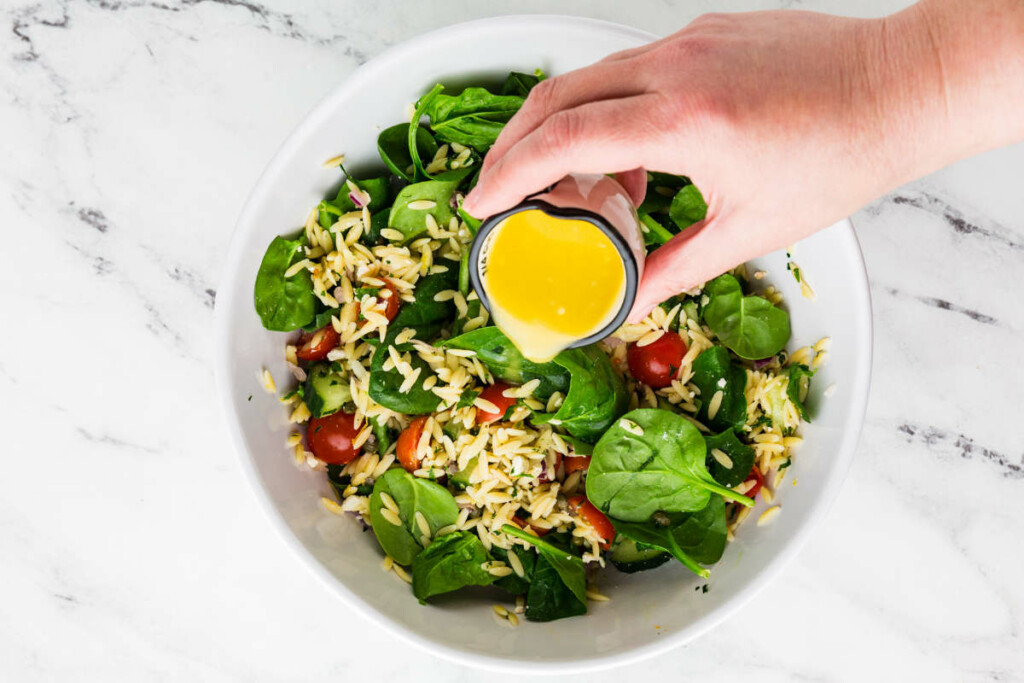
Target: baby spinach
513,583
378,190
688,207
382,433
449,563
658,200
559,585
425,315
413,133
283,304
503,359
378,222
471,222
692,538
714,371
596,395
749,325
797,388
741,454
413,222
393,147
412,495
663,468
322,319
473,118
385,384
654,232
521,84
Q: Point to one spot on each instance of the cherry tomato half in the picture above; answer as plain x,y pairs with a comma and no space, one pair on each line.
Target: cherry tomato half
496,395
408,442
394,302
657,363
758,479
576,462
595,518
330,438
317,345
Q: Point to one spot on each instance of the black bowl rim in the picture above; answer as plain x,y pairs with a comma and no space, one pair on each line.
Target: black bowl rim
628,258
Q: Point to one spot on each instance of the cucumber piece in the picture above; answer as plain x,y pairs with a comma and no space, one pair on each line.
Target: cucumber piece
461,478
628,557
325,391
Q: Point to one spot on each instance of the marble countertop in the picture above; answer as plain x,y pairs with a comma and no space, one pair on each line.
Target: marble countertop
130,548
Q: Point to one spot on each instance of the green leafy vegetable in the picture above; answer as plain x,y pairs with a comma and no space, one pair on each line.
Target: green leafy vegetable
393,147
521,84
283,304
596,395
378,189
385,384
688,207
714,371
451,562
322,319
513,583
750,326
559,585
413,132
425,315
692,538
412,494
654,232
503,359
473,118
413,222
798,386
382,433
651,461
741,454
661,189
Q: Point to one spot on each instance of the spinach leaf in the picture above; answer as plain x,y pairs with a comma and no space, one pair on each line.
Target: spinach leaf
425,315
503,359
322,319
472,223
513,583
412,495
654,232
385,384
713,371
413,132
473,118
798,387
662,468
658,200
413,222
559,585
750,326
378,189
688,207
472,311
393,147
449,563
283,304
692,538
741,454
579,447
596,398
521,84
382,433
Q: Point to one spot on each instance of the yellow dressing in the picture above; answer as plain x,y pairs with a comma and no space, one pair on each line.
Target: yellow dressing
551,281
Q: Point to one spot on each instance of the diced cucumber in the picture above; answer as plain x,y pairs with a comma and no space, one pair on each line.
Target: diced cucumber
628,557
461,478
325,391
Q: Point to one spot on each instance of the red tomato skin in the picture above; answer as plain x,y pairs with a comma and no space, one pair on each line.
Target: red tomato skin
595,518
576,462
495,393
393,302
330,438
317,345
408,440
657,363
758,479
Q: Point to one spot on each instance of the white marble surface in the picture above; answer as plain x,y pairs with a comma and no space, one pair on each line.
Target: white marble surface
130,548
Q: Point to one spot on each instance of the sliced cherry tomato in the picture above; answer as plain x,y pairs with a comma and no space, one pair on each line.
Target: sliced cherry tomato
496,395
330,438
758,479
576,462
317,345
394,301
595,518
408,441
657,363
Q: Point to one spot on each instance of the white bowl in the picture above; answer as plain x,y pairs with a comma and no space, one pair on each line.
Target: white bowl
649,612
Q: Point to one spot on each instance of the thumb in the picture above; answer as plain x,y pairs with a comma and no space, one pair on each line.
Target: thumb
699,253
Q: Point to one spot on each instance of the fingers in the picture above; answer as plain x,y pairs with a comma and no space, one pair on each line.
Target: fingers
594,83
635,183
700,253
600,137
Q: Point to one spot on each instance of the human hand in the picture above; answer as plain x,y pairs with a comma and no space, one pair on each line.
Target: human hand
786,121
